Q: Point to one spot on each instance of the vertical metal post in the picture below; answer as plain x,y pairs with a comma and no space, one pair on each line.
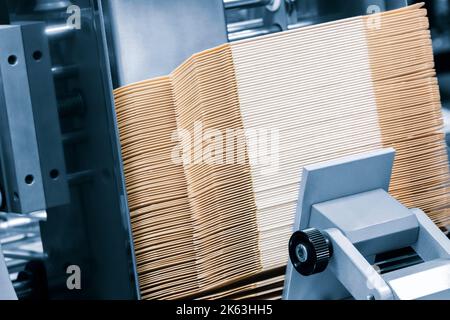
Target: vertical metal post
43,100
20,163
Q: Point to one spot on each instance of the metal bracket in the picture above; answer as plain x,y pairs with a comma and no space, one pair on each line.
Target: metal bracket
31,158
347,200
354,272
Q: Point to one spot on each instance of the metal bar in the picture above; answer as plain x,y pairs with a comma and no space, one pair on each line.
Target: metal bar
22,285
252,33
81,176
51,5
394,260
244,25
20,239
21,168
60,72
57,31
24,254
19,230
299,25
404,263
45,111
15,265
4,240
14,219
21,222
243,4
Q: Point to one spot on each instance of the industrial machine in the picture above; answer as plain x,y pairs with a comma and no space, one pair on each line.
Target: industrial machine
63,199
346,218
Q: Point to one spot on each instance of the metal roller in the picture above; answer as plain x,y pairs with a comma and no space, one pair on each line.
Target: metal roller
57,31
253,33
245,25
68,71
244,4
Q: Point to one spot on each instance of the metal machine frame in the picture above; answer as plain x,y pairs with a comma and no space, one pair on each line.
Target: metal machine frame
347,199
63,171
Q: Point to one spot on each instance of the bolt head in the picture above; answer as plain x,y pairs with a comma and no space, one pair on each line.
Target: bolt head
301,252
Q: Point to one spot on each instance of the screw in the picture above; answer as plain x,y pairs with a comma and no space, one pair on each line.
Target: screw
301,252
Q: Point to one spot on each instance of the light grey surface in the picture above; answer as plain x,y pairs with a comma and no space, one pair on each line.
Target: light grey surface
149,38
6,288
425,281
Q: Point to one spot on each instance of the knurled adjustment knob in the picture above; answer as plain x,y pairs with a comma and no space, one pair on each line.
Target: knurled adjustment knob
309,251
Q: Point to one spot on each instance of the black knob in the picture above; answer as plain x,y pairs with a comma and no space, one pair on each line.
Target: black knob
309,251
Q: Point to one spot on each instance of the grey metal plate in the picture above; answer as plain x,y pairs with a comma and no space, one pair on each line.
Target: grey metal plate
350,175
149,38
